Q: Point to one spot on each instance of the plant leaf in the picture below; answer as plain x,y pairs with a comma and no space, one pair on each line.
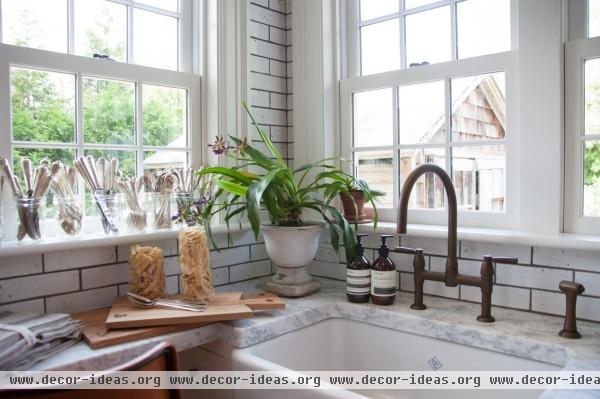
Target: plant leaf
264,137
254,196
232,187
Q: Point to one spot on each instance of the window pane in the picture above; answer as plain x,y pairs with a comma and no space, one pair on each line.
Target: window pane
170,5
479,107
479,174
422,114
428,36
164,116
66,156
380,47
373,118
108,111
370,9
591,189
428,191
592,96
594,18
154,40
101,27
126,159
417,3
39,24
43,105
156,160
377,169
483,27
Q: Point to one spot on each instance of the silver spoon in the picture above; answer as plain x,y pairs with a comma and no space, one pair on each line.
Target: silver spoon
144,302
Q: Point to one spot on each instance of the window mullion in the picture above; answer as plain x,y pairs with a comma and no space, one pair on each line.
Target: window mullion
130,34
79,129
138,129
402,22
71,26
453,30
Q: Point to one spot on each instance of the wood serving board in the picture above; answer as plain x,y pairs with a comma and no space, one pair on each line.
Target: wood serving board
97,335
224,306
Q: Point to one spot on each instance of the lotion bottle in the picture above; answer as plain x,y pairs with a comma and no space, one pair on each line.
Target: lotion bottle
383,276
358,275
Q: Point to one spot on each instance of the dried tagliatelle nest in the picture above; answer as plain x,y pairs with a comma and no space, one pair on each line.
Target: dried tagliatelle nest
146,274
194,262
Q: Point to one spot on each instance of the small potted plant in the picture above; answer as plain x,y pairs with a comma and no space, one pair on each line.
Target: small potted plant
283,194
354,193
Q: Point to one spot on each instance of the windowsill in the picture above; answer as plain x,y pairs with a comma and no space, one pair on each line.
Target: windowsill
498,236
27,246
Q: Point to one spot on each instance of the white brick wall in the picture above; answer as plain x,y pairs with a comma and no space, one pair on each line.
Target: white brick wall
78,280
530,285
270,72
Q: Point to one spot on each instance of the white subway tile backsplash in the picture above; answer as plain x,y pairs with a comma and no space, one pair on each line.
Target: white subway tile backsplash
258,252
72,259
325,269
171,265
34,306
431,246
569,258
438,288
263,3
588,309
250,270
39,285
20,265
259,31
528,276
511,297
407,281
229,256
169,247
477,250
591,282
267,49
277,35
548,302
326,253
104,275
266,16
172,285
220,276
82,300
278,101
403,262
277,5
259,98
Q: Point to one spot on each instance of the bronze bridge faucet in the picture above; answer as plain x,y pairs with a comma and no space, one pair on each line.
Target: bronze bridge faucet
450,277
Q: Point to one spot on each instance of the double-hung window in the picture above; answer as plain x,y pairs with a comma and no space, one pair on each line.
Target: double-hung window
582,119
432,82
105,78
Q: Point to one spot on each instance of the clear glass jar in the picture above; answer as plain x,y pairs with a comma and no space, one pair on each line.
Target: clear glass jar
32,214
107,205
183,204
161,211
132,217
68,213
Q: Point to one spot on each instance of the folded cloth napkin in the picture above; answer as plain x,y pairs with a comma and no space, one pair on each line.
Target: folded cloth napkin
27,338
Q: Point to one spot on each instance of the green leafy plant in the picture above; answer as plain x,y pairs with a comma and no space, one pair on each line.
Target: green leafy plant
282,192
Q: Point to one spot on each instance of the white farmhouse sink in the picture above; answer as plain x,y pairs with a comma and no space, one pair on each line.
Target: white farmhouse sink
342,344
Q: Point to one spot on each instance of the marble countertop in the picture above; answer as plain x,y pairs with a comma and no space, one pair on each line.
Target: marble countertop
524,334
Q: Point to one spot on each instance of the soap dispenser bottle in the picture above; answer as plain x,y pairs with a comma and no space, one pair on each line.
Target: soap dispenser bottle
358,275
383,276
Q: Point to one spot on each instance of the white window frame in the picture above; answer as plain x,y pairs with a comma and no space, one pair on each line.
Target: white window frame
24,57
506,62
579,49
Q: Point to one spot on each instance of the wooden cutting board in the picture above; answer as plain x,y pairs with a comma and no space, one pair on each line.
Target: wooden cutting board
97,335
224,306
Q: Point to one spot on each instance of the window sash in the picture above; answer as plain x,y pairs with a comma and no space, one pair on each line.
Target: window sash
184,23
15,56
577,52
506,62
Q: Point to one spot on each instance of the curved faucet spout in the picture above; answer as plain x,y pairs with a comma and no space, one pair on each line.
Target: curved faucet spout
451,263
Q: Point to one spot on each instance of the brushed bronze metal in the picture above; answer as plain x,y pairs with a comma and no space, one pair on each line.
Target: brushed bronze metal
571,290
450,277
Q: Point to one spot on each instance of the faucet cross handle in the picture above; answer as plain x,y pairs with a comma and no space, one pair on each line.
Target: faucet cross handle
571,289
487,285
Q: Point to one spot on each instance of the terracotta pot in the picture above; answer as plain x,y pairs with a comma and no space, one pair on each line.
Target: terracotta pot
350,209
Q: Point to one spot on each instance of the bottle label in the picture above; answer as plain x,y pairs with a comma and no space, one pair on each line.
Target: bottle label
358,281
383,283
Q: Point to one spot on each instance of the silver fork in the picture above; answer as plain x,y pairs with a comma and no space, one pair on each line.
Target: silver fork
144,302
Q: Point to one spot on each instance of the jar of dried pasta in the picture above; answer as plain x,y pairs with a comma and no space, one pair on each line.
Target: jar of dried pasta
146,274
194,262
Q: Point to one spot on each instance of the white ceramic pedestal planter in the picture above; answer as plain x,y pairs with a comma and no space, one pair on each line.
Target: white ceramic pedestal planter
292,248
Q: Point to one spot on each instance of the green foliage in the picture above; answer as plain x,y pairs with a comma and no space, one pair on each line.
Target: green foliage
592,163
282,192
